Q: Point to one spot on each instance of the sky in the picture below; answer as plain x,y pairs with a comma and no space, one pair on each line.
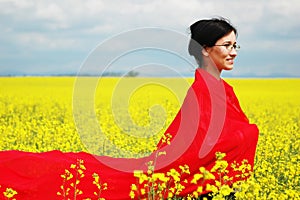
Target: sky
41,37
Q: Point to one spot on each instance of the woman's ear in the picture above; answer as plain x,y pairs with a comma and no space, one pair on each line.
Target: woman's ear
204,52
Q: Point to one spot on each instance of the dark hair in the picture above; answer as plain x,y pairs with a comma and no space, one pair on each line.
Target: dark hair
205,33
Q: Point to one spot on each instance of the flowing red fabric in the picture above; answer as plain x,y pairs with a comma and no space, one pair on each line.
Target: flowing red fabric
209,121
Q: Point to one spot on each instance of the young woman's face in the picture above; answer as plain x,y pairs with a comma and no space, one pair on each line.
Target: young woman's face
223,56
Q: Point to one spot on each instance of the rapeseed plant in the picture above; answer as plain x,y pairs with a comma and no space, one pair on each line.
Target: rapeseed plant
36,116
169,185
71,181
101,186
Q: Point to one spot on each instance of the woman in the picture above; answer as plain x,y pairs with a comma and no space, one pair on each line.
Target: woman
209,121
211,107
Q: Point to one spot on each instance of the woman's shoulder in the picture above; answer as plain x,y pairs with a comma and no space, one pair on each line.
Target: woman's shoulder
226,84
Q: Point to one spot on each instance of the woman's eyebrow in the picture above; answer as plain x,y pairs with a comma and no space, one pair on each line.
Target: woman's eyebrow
228,41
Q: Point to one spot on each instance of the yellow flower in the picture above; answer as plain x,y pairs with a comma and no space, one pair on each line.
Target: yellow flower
131,194
10,193
220,155
73,166
143,191
160,176
185,169
196,178
162,153
133,187
36,119
225,190
208,176
179,187
200,189
137,173
195,194
166,139
143,178
174,174
212,188
220,166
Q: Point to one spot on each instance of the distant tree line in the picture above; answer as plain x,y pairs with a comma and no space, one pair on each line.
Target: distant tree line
105,74
117,74
132,74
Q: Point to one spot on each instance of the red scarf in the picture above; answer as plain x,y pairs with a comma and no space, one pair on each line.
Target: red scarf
209,121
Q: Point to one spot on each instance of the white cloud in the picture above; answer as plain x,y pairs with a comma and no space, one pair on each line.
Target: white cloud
10,6
77,25
38,40
51,11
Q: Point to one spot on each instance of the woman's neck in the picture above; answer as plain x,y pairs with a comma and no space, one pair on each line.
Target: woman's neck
213,71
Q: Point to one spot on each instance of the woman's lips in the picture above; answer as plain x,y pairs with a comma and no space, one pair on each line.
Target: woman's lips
230,60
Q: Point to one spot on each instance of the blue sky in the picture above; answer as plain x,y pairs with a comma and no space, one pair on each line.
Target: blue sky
61,36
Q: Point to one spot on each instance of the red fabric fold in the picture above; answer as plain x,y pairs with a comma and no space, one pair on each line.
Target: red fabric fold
210,120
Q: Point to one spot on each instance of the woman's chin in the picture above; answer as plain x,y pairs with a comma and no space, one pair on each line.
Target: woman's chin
228,68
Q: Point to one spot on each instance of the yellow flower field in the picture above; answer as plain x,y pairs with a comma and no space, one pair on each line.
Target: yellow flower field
36,115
